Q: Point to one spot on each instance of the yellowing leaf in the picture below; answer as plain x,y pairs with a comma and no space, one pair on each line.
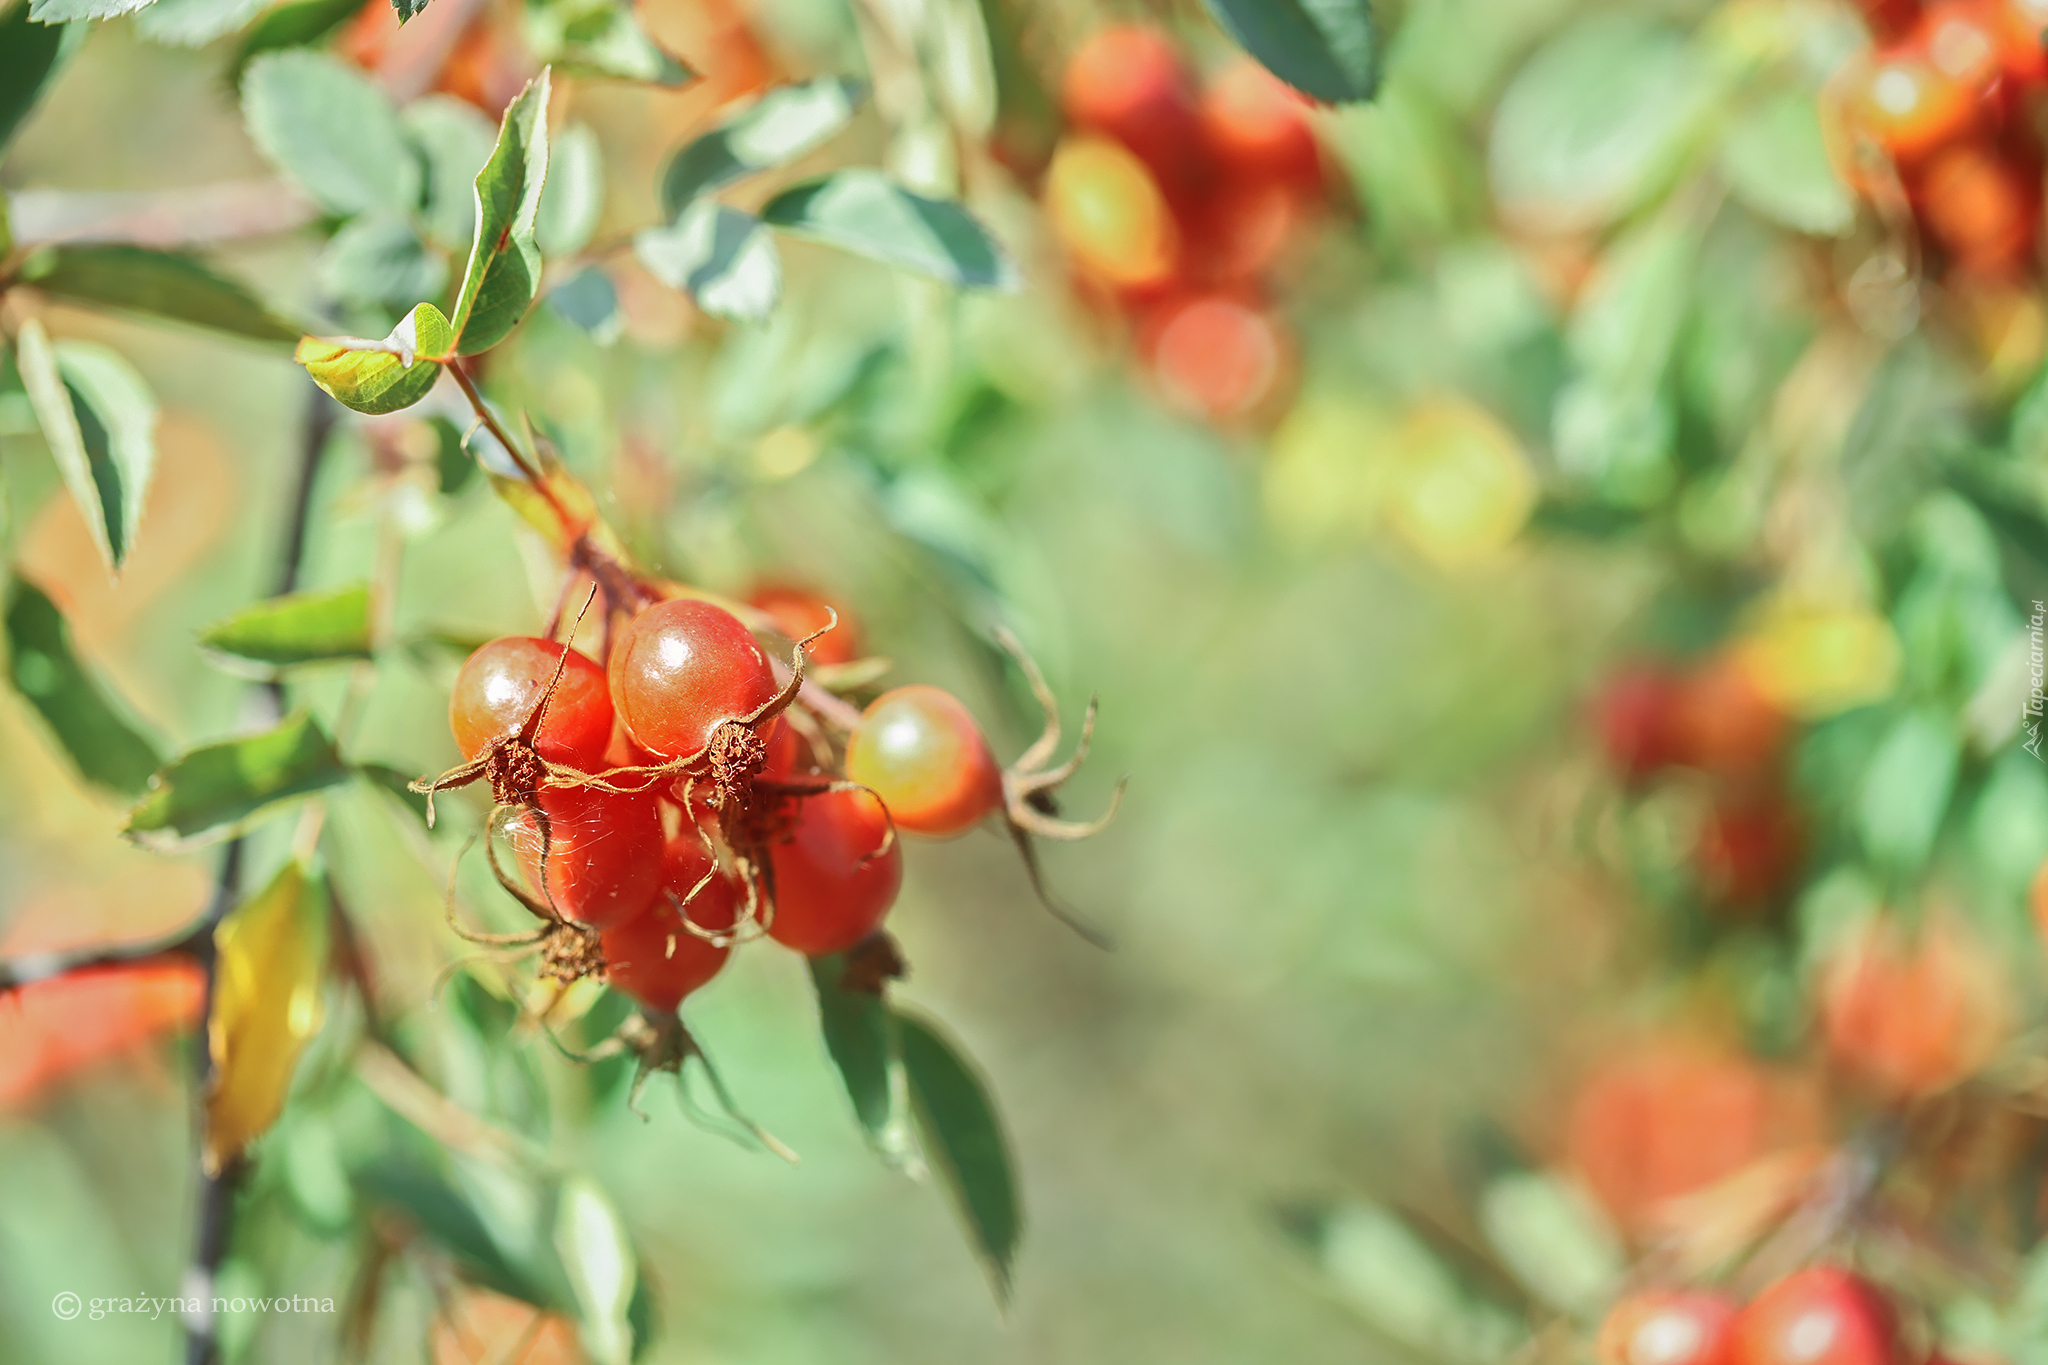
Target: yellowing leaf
377,377
1816,660
270,954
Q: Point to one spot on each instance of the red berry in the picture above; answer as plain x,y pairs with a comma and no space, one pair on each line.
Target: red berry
1634,715
604,852
2019,25
1912,1016
1128,82
681,668
499,685
1888,18
1216,356
798,612
654,957
1259,128
1980,206
1962,42
920,750
1724,723
1908,104
1821,1316
1748,850
1668,1327
836,875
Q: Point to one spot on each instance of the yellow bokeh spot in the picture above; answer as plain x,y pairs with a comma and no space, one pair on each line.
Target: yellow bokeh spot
1463,488
1326,471
1108,212
1816,660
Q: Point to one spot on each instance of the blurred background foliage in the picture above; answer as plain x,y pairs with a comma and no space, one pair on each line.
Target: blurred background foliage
1591,348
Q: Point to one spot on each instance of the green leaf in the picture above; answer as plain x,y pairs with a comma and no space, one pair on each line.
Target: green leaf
292,25
1328,49
597,1256
1776,161
573,199
965,1143
1553,1240
1905,790
161,284
218,790
601,38
298,628
100,422
863,211
426,1200
81,711
65,11
590,301
504,261
720,256
1396,1281
1595,121
194,23
382,376
455,140
860,1033
31,54
332,130
389,779
379,260
774,130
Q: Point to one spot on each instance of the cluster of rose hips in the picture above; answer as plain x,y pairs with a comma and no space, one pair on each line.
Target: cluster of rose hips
1943,110
1713,721
1175,200
685,795
1822,1315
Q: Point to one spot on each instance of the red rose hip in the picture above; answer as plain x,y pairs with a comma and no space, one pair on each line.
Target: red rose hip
654,957
921,751
604,852
836,875
1668,1327
1821,1316
499,685
681,668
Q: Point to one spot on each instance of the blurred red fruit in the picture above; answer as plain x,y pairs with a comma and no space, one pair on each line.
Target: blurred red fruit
798,611
50,1029
1748,850
1215,356
1962,42
1888,18
1672,1116
1821,1316
1259,128
1981,206
1907,105
1129,82
1668,1327
1910,1017
1725,724
2018,26
1238,232
1635,715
